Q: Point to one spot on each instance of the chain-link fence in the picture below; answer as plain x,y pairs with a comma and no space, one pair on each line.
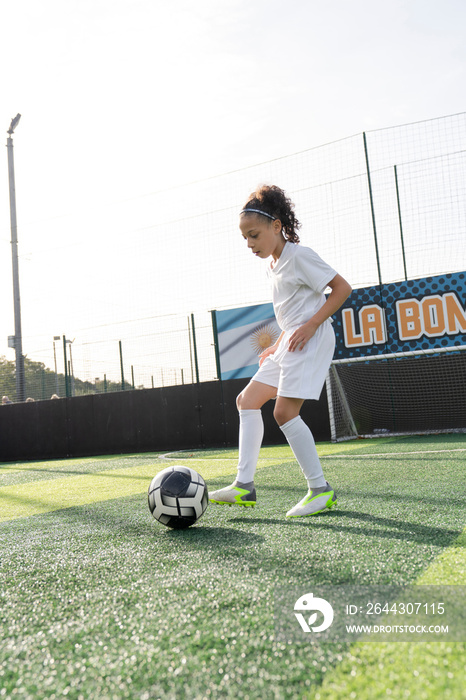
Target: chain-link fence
131,308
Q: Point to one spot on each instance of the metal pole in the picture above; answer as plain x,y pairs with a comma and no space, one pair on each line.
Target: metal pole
70,342
401,224
67,388
217,352
196,364
219,375
20,378
56,337
190,351
374,229
121,367
331,411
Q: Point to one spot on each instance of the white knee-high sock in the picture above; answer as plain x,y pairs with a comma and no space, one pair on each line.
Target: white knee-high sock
301,441
251,432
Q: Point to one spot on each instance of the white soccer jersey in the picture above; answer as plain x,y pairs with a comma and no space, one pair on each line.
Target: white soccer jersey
299,279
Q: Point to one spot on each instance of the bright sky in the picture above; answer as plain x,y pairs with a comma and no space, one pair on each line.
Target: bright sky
122,98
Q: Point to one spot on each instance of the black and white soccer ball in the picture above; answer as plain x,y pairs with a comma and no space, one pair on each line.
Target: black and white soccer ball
178,496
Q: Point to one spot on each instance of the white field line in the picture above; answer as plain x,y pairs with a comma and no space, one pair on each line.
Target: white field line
348,455
396,454
211,459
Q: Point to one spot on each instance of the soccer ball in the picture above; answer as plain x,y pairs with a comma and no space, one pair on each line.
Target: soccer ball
177,496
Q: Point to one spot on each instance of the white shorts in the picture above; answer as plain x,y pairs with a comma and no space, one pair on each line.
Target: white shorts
300,374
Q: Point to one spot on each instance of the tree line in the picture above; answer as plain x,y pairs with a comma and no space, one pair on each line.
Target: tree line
42,382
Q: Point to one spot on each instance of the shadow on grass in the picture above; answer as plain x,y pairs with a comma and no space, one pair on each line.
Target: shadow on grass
128,526
439,499
384,528
207,536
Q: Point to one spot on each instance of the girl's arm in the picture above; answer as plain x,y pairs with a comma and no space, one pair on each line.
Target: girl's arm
340,292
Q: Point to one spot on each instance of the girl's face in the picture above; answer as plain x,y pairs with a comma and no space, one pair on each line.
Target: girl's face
264,236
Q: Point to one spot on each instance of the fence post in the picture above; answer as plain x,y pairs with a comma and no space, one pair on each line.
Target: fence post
374,229
190,350
121,367
401,224
219,375
67,390
196,364
217,352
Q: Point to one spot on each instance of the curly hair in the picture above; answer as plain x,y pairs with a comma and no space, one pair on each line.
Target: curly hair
273,201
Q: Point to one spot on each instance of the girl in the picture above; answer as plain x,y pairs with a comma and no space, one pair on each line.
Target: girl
295,368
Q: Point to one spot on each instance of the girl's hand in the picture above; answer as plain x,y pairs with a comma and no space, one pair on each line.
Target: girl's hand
268,351
301,336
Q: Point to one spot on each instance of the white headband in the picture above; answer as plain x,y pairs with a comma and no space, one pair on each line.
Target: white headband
258,211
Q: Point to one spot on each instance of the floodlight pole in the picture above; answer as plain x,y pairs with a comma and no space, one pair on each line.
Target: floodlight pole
20,378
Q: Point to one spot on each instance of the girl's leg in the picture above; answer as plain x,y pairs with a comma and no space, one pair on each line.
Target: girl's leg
251,432
251,427
320,495
300,439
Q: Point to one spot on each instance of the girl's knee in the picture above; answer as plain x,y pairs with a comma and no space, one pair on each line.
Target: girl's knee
254,396
286,409
245,401
280,414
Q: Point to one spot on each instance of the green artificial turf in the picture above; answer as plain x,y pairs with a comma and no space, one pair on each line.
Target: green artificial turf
97,600
422,670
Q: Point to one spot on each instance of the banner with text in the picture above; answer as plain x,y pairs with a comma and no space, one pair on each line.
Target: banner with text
419,314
